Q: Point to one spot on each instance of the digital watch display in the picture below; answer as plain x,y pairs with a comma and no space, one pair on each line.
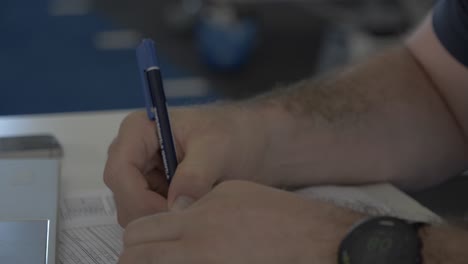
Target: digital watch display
383,240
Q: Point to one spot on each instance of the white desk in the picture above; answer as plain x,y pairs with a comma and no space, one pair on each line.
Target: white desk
84,138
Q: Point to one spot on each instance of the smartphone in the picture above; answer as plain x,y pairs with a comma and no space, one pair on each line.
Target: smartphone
30,147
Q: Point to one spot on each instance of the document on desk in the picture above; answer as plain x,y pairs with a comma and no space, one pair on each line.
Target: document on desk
89,233
374,200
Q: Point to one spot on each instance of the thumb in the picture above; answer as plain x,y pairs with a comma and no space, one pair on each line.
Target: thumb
193,179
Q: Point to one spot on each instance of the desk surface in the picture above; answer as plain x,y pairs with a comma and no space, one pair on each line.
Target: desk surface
85,138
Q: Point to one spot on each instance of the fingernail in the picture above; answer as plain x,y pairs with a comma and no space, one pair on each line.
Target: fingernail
181,203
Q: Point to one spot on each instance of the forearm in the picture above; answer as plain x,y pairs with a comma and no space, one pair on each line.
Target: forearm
379,121
444,245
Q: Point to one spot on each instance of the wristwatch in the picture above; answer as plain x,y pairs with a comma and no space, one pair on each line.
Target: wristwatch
382,240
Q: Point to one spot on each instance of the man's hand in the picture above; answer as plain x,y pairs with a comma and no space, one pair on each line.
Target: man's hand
213,143
240,222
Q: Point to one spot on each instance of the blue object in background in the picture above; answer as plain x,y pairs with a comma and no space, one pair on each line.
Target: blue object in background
50,64
226,46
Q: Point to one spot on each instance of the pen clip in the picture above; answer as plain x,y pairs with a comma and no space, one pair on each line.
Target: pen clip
146,56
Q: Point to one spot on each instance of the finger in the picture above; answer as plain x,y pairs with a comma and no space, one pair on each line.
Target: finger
130,150
134,199
131,155
130,209
137,140
125,179
155,228
156,253
157,182
195,175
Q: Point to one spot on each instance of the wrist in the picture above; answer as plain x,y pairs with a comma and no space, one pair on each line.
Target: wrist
264,129
443,245
299,145
279,129
427,235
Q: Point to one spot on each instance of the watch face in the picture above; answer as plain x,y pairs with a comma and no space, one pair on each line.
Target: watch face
383,240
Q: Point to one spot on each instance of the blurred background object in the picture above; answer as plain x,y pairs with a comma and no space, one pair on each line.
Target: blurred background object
268,42
64,56
79,53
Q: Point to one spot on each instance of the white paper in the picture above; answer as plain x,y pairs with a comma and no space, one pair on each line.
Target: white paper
360,201
373,200
89,245
89,233
87,209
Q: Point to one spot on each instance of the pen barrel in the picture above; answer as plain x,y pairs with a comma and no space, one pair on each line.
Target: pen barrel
163,123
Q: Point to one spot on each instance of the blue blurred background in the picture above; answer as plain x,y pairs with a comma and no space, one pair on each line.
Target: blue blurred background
78,55
52,62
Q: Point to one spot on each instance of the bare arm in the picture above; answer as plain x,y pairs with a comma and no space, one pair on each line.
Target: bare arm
398,117
449,76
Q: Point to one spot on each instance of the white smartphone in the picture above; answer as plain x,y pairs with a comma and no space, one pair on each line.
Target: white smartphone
28,210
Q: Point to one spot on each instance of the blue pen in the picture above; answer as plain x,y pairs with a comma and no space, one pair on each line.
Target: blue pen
156,105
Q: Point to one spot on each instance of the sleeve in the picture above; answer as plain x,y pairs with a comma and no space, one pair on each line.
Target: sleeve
450,22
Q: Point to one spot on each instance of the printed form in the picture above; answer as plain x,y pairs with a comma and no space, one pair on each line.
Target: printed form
89,233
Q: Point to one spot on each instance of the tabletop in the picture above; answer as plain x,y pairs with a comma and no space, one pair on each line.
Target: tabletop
84,137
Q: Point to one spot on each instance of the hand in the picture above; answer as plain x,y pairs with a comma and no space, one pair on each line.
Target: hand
240,222
214,143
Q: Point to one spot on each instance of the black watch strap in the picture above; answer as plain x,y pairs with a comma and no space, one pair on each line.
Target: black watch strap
383,240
